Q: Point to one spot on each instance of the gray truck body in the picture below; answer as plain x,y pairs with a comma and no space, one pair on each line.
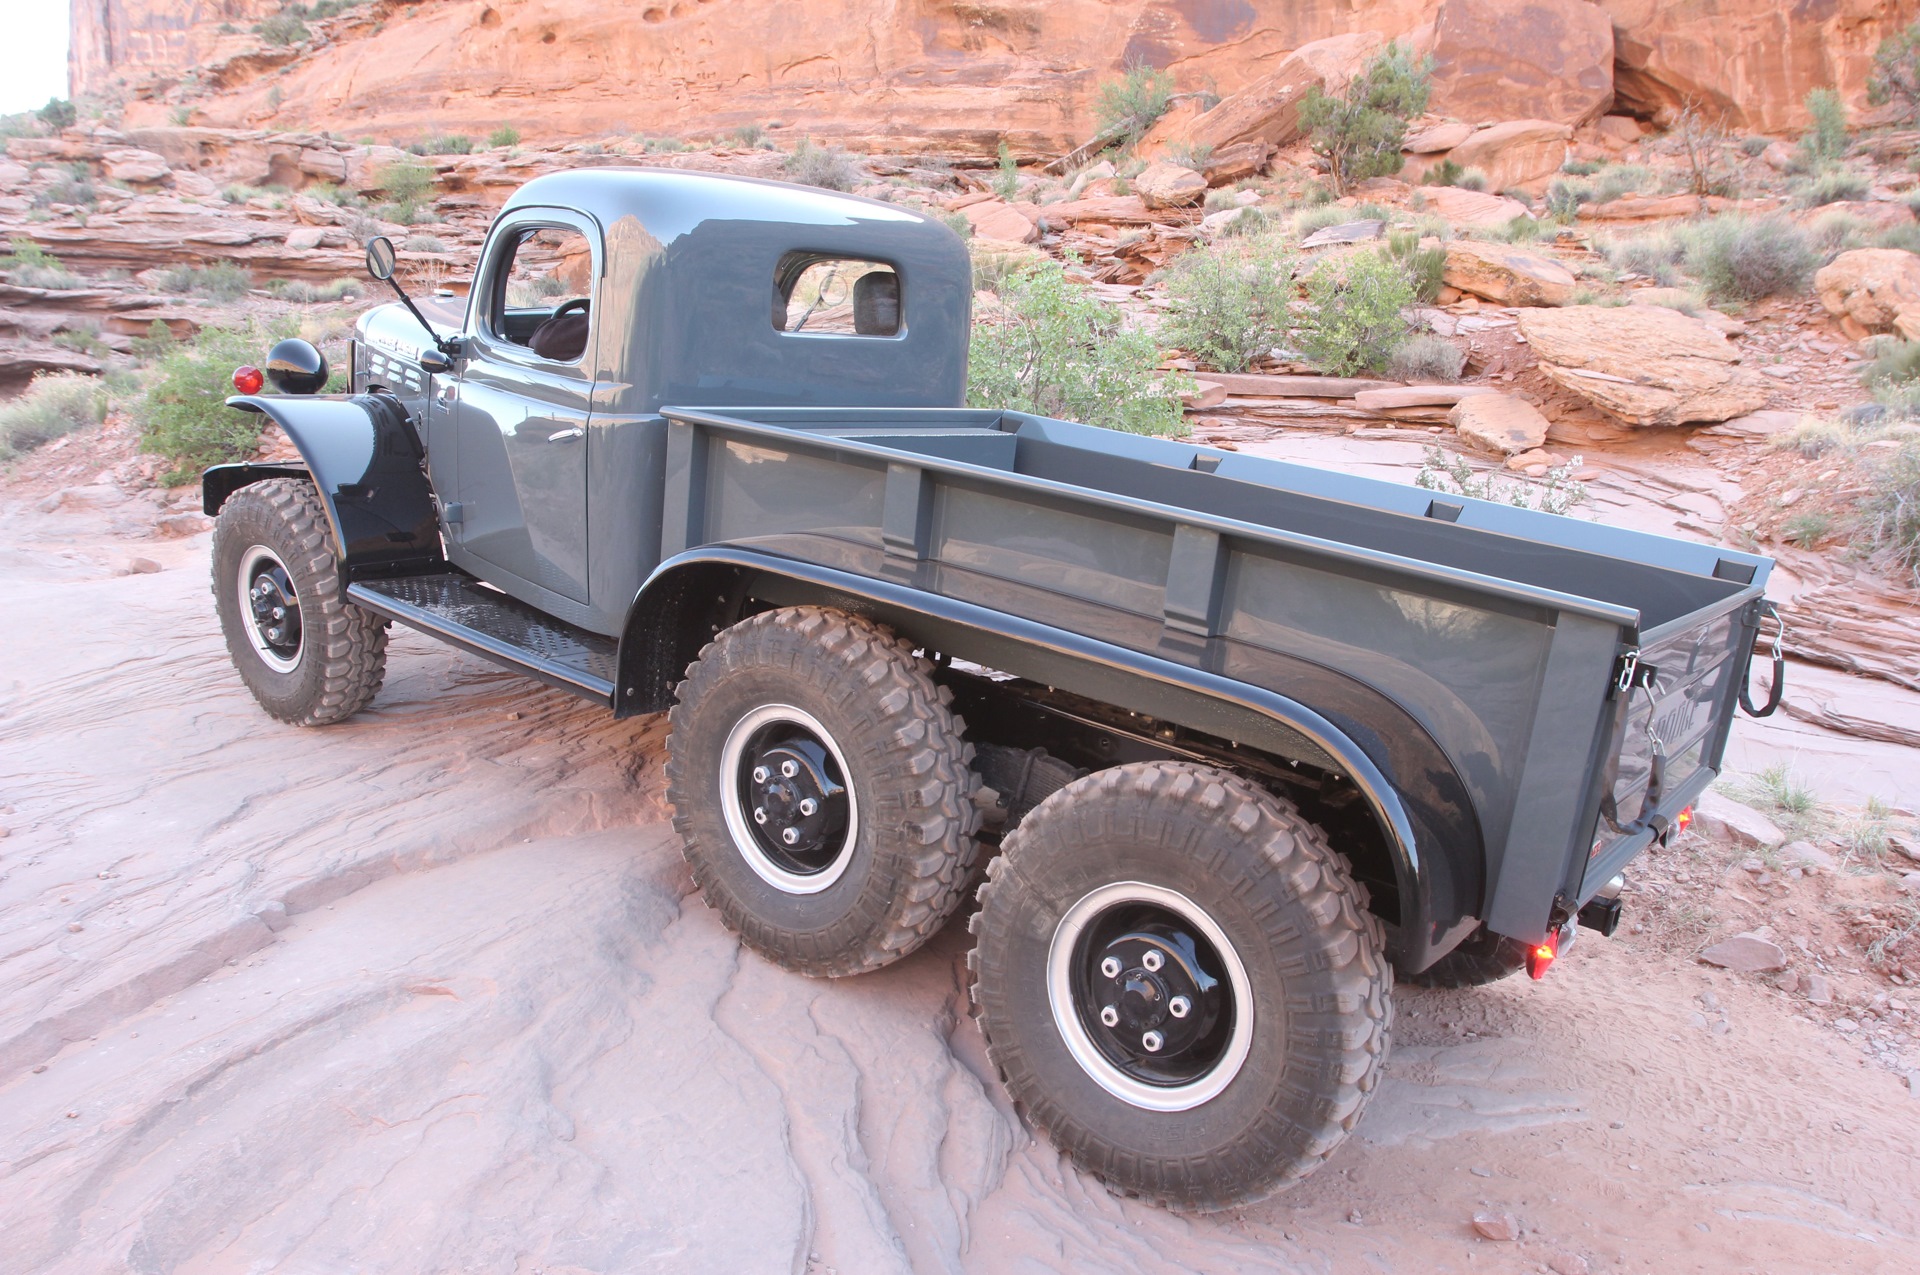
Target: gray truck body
1482,689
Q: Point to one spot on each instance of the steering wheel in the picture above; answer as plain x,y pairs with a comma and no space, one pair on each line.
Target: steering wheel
578,303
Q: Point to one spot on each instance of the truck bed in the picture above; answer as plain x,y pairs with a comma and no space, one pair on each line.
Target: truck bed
1497,633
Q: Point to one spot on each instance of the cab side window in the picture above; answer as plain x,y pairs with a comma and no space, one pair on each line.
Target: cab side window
543,293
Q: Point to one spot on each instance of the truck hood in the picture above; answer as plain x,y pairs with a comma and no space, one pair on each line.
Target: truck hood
391,329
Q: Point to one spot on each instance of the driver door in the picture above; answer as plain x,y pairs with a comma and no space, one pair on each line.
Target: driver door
523,405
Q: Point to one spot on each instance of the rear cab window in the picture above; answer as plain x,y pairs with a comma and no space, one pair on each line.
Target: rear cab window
836,296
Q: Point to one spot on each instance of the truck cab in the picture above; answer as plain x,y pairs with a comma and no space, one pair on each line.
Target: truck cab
600,297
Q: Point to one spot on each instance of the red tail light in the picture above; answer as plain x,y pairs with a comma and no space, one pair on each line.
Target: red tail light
248,379
1685,821
1541,957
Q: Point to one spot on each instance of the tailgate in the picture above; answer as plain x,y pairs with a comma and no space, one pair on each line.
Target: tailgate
1686,693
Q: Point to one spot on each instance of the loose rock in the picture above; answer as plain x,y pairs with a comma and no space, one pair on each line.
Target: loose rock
1870,286
1507,275
1166,185
1724,819
1499,423
1749,953
1496,1226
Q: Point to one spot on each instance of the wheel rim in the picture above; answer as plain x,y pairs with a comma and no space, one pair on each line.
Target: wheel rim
270,608
1149,996
786,798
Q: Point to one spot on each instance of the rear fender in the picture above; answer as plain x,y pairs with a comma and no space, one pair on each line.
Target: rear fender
1423,814
364,459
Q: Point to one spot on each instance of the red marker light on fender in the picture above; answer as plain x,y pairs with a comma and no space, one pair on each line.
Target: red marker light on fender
1541,956
1685,821
248,379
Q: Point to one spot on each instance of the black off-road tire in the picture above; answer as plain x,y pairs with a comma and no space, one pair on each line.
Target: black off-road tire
1483,957
342,651
1317,980
906,861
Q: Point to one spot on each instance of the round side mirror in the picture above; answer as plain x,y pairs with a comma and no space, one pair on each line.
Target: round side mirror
296,367
380,257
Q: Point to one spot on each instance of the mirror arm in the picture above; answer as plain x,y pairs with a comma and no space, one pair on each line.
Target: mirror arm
446,345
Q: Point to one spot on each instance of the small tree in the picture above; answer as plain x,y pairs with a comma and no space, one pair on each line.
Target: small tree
1355,312
58,113
1126,108
1896,74
1825,144
1361,130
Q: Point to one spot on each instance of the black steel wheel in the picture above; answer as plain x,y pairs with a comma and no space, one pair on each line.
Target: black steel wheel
821,787
1179,981
1483,957
309,656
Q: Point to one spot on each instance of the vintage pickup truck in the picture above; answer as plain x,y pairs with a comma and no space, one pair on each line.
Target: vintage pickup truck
1239,738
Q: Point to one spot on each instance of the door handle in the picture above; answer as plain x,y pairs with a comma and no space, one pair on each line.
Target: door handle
566,435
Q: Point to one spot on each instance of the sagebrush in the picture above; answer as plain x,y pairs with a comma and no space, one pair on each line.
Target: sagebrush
55,403
1230,303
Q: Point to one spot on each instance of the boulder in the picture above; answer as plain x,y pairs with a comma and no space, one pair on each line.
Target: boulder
1906,324
1232,163
996,219
1163,184
1436,138
135,167
1499,423
1871,286
1643,364
1516,153
1472,207
1267,110
1344,233
1750,953
1506,274
1550,59
1724,819
1617,131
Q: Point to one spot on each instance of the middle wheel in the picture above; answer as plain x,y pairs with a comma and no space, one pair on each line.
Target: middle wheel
821,788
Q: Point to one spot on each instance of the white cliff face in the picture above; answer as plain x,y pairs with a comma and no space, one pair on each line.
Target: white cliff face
427,991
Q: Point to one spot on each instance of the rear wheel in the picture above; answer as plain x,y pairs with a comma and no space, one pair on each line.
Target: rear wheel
309,656
821,789
1179,980
1483,957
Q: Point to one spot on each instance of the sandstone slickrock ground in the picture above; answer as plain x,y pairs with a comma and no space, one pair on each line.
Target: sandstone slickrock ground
428,991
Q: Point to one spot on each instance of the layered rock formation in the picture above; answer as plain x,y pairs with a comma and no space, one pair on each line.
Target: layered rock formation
934,74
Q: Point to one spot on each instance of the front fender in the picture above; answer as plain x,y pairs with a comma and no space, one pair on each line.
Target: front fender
1417,801
365,461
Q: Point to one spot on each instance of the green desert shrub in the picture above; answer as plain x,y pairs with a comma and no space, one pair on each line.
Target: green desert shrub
282,29
1425,267
1360,130
304,293
1616,180
222,281
824,166
403,182
1424,358
1127,107
1355,312
1230,302
1740,258
184,417
1825,144
1006,176
1048,345
55,403
1656,255
1890,510
31,266
505,135
58,113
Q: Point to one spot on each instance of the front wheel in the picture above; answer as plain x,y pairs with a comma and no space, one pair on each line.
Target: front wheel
1178,979
309,656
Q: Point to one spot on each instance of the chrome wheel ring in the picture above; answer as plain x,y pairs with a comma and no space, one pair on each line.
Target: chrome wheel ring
1149,996
787,798
270,609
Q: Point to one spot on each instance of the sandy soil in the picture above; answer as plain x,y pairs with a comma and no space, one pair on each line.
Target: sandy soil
429,992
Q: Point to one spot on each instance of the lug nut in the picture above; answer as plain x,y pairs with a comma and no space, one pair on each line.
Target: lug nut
279,613
790,835
1109,1015
1178,1007
273,635
761,774
1153,961
1151,1042
789,768
759,814
808,805
1111,967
